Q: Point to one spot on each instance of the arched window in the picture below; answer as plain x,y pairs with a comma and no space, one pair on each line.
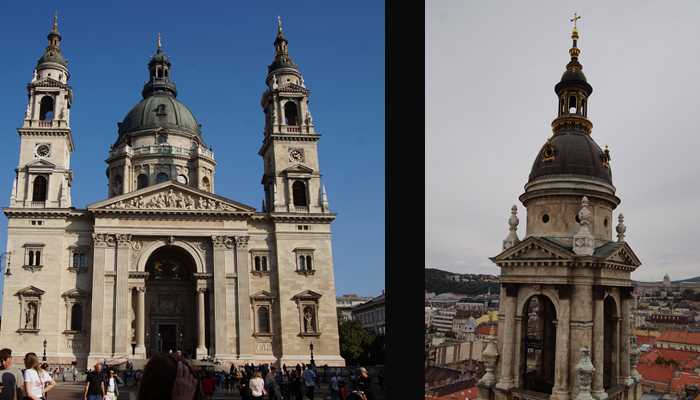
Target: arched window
117,185
308,263
37,257
39,189
162,177
538,346
205,184
46,108
76,317
31,257
263,263
257,263
299,194
302,263
263,319
141,181
572,104
610,349
291,115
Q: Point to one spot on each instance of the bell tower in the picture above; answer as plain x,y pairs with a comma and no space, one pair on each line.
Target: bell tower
291,179
43,176
564,329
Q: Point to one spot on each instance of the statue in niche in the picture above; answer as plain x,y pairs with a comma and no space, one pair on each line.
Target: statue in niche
30,316
308,320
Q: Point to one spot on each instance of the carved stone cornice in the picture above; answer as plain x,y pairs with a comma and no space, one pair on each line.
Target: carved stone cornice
103,240
138,274
202,290
222,242
242,242
33,268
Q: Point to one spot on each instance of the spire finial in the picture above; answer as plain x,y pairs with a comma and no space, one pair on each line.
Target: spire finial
279,24
621,228
158,44
575,18
54,27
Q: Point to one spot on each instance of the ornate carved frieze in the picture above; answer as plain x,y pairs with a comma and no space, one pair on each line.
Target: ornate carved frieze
222,241
123,239
174,200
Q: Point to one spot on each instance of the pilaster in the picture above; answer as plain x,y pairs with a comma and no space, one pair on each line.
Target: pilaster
243,310
122,323
221,244
101,242
598,390
506,379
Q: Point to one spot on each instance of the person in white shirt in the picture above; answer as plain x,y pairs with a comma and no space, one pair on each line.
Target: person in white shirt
257,386
36,381
112,385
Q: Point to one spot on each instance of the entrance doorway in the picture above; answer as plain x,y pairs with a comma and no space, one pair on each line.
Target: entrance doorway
170,301
168,337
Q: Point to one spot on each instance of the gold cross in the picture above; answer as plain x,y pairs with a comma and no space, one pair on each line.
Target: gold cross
574,19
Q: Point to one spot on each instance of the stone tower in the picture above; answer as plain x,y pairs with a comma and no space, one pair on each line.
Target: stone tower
43,176
291,180
565,302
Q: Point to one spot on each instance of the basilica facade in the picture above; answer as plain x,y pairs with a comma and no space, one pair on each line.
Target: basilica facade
565,317
164,263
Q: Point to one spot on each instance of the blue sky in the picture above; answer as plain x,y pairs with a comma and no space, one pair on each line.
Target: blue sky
220,51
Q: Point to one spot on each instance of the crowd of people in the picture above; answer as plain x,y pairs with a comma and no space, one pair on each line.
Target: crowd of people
173,377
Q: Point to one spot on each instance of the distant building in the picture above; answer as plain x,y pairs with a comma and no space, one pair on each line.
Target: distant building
371,314
679,340
345,304
443,320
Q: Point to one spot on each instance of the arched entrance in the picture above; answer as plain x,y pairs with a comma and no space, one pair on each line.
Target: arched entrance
610,343
170,301
538,347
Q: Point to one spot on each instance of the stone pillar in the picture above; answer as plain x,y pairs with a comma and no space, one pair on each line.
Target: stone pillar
506,379
201,330
581,327
140,351
625,331
101,242
243,310
221,245
598,342
584,370
122,321
561,368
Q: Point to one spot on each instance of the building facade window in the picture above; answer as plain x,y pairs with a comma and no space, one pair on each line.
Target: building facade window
304,261
291,115
260,261
75,310
78,257
299,194
307,304
33,256
262,308
30,307
162,177
39,188
76,317
141,181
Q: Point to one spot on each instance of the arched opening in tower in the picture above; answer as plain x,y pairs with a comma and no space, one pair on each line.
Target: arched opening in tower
291,115
39,189
610,339
538,347
299,194
46,108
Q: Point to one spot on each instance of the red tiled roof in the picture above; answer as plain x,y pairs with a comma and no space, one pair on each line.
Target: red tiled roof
682,337
656,372
646,340
679,356
685,378
649,357
485,329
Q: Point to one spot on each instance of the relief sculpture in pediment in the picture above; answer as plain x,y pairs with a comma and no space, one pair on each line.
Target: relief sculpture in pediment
172,200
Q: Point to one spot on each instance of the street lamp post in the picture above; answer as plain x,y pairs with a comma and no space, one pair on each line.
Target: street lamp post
311,348
43,358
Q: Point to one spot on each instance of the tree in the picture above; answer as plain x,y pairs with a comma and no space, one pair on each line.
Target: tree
355,342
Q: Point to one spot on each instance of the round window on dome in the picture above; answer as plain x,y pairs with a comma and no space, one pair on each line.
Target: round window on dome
545,218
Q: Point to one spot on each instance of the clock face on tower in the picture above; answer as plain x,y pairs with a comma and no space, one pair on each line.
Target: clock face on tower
43,150
296,155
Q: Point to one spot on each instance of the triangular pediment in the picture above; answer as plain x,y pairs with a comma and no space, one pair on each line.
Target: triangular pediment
262,295
40,163
298,169
74,293
171,196
307,295
623,254
30,291
535,248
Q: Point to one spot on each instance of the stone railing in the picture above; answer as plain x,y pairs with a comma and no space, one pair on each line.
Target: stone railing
56,123
37,204
163,149
616,392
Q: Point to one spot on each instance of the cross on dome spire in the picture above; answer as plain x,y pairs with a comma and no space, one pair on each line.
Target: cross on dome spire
279,24
54,27
158,44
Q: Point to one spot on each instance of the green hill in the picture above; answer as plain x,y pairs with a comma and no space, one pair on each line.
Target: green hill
439,281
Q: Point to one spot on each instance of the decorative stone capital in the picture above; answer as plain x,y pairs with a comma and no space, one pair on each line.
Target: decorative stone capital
140,289
202,290
103,240
222,242
242,242
123,239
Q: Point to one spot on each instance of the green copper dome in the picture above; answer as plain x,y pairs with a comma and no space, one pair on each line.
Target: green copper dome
160,110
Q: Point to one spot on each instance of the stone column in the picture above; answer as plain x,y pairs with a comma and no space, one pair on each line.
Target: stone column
581,327
243,317
221,245
561,368
122,321
140,350
101,242
598,342
201,331
625,306
506,379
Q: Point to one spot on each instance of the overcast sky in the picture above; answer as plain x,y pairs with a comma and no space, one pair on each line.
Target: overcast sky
491,68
